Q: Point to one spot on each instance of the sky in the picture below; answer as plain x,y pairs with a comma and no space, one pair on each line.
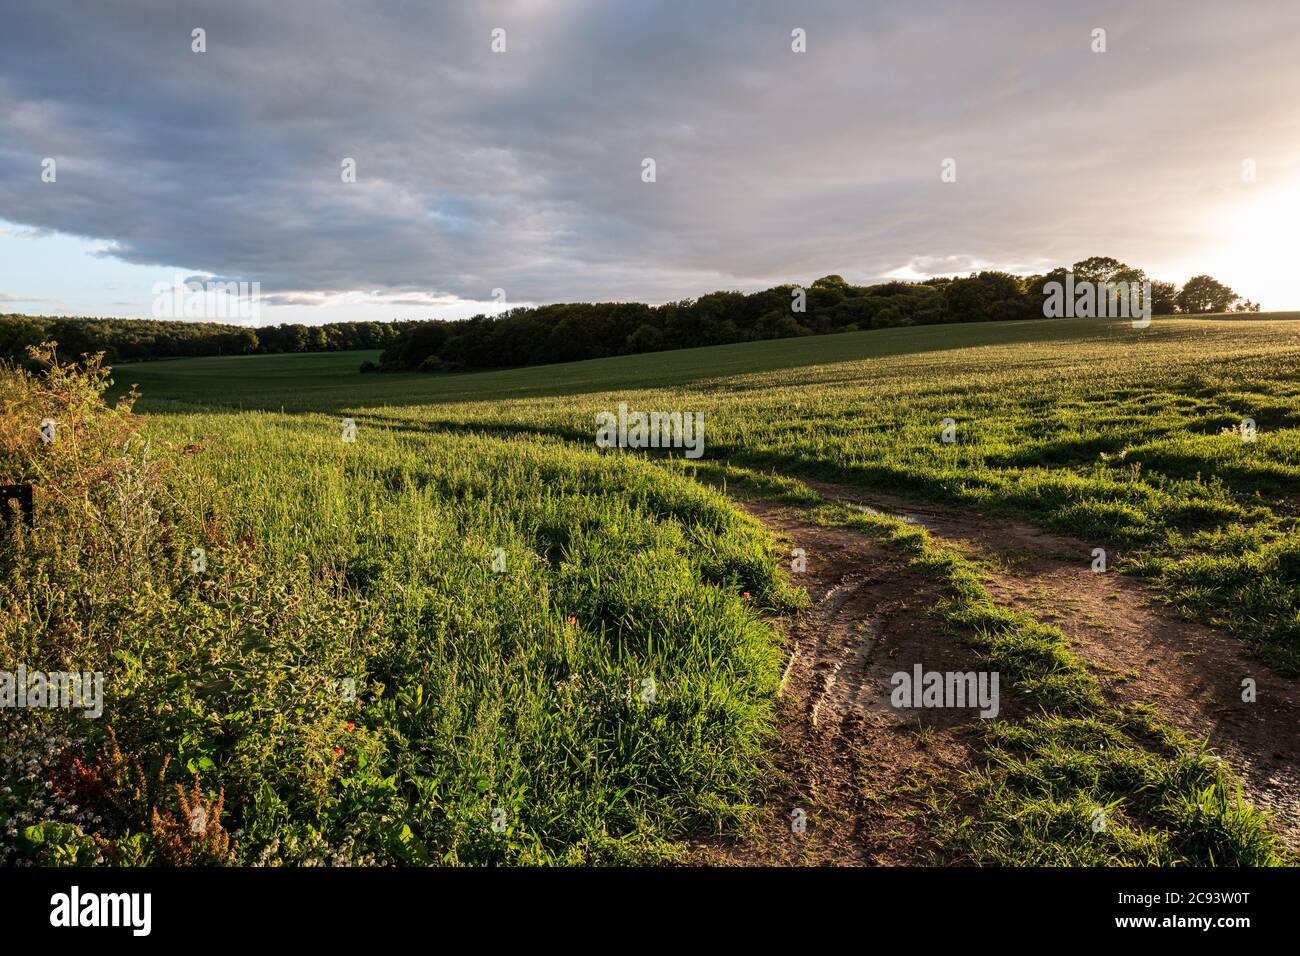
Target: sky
501,168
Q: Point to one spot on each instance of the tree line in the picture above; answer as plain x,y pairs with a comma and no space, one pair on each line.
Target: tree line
573,331
567,332
132,340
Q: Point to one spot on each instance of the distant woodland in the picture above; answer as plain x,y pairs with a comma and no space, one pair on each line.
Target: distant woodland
567,332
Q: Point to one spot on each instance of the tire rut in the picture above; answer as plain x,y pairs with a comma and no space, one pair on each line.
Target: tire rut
860,771
1136,647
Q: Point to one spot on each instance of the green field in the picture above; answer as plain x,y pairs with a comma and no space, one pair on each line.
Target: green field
610,694
328,381
1124,437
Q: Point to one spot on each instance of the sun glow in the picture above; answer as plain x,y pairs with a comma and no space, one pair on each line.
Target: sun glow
1258,243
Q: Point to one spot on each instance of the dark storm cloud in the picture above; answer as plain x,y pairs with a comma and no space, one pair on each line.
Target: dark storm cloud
522,170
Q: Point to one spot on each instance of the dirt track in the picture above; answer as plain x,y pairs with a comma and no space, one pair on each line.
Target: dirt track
858,768
855,767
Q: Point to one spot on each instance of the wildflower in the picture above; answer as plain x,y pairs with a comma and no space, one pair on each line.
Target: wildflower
338,751
351,727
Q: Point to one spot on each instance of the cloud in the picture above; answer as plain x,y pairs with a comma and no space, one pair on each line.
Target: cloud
26,300
522,170
26,233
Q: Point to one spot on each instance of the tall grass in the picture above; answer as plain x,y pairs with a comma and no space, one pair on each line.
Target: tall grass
351,675
1128,439
354,682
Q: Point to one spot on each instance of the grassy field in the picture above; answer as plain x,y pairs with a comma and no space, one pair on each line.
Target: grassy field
411,648
331,381
1129,439
360,678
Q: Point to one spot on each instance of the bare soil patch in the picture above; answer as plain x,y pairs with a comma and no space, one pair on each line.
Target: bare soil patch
1137,647
861,771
